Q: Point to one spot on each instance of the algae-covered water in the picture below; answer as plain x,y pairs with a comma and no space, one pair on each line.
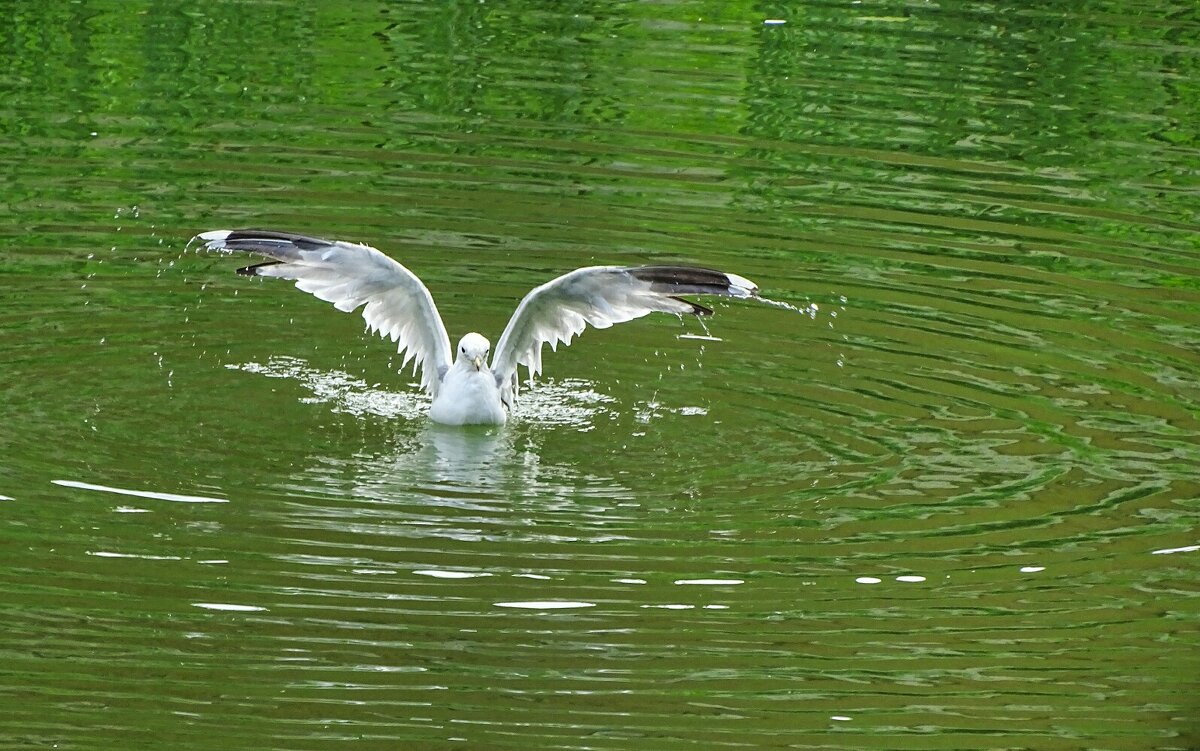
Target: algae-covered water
948,502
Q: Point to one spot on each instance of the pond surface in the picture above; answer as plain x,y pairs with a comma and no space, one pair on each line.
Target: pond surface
948,501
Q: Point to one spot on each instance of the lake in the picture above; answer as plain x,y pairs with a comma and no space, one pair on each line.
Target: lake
944,495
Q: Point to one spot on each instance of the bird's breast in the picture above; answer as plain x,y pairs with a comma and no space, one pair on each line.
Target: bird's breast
468,397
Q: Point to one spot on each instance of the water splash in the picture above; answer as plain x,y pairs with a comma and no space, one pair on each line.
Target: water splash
809,310
342,391
570,402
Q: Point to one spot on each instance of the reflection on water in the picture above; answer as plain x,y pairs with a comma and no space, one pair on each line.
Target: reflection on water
228,607
942,495
547,605
173,497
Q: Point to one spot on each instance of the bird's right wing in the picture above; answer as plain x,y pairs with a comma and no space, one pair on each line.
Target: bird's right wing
396,303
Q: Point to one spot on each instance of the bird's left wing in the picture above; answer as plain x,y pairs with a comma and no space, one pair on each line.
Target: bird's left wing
601,296
396,303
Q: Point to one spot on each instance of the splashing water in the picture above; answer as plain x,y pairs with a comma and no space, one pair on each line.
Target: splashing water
569,402
809,310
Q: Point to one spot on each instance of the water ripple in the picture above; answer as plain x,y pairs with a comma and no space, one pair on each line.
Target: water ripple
942,486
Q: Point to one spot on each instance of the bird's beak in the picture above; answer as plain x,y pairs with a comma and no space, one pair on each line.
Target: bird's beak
478,360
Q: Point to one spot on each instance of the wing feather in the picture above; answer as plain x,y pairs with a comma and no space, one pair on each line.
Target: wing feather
395,303
601,296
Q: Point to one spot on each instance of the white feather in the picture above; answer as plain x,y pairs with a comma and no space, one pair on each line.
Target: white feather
396,304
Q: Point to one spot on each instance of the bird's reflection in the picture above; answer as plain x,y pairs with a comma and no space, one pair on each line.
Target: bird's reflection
463,457
438,486
482,466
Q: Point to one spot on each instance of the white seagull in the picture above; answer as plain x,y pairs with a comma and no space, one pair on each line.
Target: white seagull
465,387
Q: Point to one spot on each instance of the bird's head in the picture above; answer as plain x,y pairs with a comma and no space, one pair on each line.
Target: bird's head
473,350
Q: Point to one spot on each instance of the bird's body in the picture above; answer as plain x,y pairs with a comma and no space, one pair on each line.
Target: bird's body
469,394
466,389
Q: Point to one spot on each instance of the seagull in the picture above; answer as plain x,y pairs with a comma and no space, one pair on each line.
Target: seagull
466,388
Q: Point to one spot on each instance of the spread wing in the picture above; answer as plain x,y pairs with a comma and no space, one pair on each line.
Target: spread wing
600,296
396,304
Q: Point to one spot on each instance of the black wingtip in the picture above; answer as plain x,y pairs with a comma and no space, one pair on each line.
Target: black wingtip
688,276
252,236
697,308
253,270
694,280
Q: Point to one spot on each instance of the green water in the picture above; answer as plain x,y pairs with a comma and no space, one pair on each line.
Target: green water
987,214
